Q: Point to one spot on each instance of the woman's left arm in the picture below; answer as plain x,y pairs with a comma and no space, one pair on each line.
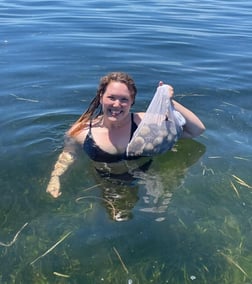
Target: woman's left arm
193,126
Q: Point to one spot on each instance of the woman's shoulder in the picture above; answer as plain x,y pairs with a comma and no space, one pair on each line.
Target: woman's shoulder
138,116
78,133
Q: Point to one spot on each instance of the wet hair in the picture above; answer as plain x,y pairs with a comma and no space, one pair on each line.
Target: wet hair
95,108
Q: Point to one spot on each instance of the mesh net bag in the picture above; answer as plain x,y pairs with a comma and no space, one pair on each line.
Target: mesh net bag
159,129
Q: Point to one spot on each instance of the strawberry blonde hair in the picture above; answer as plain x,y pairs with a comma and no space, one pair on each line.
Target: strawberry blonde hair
95,109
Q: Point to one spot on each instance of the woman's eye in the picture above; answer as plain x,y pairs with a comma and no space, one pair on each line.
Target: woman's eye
123,100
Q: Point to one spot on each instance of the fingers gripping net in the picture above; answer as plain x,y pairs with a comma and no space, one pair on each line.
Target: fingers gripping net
159,129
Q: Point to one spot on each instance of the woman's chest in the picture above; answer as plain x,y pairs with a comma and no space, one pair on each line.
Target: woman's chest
113,141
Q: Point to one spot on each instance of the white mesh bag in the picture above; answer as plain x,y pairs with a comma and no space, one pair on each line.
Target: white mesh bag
159,129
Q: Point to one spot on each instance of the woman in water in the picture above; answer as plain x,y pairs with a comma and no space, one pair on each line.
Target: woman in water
107,126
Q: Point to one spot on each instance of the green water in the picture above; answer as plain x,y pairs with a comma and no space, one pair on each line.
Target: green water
187,223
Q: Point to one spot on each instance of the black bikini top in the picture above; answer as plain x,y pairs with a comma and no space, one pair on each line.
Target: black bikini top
97,154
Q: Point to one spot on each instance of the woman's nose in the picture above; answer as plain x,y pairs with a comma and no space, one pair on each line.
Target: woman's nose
117,103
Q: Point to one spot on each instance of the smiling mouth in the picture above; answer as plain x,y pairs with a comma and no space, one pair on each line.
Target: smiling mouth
115,112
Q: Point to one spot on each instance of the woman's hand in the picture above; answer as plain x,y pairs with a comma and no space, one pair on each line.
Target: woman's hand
193,126
170,92
54,187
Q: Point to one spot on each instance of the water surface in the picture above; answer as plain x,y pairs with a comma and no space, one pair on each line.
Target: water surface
189,215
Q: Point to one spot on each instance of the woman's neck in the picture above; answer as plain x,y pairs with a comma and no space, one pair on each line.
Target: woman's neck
115,124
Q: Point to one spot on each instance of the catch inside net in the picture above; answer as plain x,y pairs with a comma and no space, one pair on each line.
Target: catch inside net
159,129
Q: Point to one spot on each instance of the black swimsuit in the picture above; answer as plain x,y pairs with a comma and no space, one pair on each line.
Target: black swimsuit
97,154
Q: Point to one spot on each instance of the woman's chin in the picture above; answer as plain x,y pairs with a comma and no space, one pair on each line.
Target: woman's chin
115,116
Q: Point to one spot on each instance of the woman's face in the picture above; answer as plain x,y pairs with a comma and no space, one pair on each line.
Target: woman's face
116,101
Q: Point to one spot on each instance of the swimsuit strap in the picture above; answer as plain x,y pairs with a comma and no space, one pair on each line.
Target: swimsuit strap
133,125
132,129
89,128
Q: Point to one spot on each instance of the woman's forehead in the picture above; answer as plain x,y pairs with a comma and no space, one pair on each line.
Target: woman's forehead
117,88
